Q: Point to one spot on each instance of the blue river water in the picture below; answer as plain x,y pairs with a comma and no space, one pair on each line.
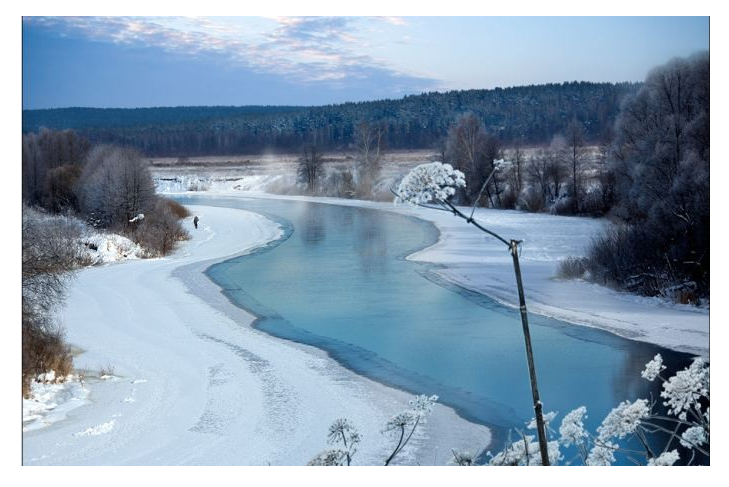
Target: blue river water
338,280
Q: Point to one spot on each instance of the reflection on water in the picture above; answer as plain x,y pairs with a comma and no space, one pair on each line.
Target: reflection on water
312,230
370,244
343,286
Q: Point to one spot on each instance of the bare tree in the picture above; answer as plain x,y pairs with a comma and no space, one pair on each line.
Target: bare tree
555,156
60,188
51,162
310,170
471,150
369,139
518,160
34,170
575,137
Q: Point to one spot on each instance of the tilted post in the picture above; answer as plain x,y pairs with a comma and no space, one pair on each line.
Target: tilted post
444,205
514,247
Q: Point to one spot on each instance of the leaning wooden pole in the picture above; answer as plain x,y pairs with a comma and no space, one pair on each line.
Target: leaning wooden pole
514,247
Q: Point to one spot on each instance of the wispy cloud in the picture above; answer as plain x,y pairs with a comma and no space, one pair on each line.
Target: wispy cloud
394,20
300,49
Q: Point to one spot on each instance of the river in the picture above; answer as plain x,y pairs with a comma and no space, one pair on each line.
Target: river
339,280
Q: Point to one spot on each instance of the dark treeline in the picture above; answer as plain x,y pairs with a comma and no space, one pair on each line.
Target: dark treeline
660,166
528,115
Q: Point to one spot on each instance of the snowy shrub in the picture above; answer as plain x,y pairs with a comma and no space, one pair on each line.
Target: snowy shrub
525,451
430,183
160,232
339,183
180,211
686,425
463,458
653,368
564,205
601,455
50,253
684,390
594,202
509,199
572,431
572,268
532,200
403,425
329,458
664,460
623,420
343,433
102,247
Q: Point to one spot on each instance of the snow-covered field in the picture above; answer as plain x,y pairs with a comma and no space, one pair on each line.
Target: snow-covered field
193,383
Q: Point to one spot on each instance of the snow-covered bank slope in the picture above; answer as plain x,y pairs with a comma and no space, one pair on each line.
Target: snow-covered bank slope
194,384
483,264
478,262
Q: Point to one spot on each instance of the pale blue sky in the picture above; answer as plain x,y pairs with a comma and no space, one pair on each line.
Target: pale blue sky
163,61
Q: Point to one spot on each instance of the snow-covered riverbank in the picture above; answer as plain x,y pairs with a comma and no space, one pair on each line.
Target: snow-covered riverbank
194,384
478,262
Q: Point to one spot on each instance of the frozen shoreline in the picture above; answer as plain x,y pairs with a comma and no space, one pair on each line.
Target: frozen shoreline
192,378
476,262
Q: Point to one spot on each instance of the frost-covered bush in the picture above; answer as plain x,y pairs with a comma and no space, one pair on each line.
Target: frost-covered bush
430,183
402,426
343,433
49,255
572,268
686,424
564,205
339,183
160,231
345,437
532,200
661,168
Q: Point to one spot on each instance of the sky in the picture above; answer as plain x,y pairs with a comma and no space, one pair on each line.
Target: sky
171,61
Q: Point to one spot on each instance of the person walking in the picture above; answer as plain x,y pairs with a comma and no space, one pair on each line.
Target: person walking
195,220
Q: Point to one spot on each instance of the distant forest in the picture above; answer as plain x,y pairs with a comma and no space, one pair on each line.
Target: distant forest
527,115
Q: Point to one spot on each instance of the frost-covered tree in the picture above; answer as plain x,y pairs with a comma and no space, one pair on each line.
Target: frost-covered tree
661,170
115,186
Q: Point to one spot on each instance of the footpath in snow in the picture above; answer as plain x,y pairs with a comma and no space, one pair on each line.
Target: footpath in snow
193,383
478,262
